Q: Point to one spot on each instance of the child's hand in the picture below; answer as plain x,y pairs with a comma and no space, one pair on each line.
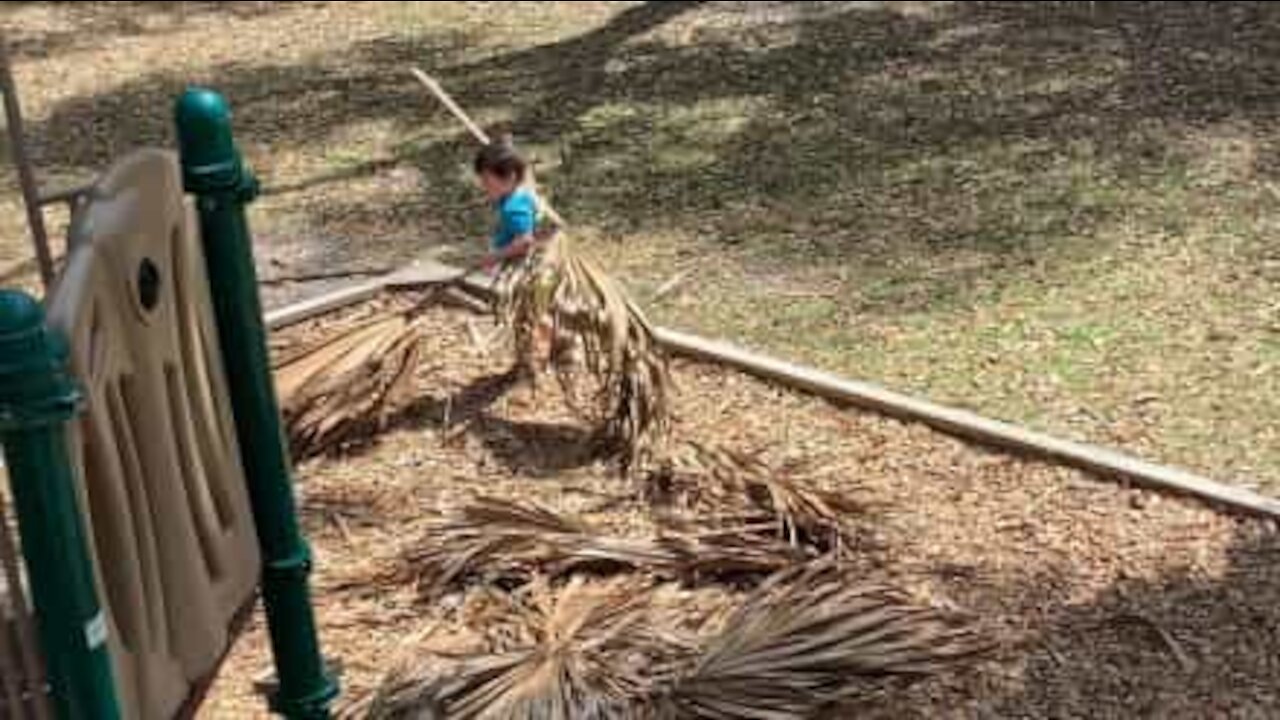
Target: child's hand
489,263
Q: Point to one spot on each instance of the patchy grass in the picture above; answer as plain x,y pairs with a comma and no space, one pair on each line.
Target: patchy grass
1057,215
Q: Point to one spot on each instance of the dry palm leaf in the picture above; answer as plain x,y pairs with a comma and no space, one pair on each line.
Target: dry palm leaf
623,375
347,384
592,652
512,541
587,310
809,638
726,483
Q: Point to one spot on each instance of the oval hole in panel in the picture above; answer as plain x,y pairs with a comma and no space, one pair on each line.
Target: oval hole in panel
148,284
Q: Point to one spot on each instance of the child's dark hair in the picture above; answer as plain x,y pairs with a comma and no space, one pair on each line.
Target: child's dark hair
502,160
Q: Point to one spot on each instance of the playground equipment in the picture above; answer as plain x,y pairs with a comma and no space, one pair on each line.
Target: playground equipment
33,201
139,421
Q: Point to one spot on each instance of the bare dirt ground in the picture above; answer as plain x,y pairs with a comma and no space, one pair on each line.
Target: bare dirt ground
1105,601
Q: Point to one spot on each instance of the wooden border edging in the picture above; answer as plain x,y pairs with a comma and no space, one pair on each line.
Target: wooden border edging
307,309
962,423
959,423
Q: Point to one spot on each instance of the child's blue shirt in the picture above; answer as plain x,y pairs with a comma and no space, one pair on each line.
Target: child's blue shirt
517,216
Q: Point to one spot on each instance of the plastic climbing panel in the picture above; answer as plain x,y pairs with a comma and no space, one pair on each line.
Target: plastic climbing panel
173,539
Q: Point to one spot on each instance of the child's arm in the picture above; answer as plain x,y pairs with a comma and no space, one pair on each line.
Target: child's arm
518,247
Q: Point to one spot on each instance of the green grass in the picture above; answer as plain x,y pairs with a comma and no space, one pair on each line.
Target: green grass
1057,216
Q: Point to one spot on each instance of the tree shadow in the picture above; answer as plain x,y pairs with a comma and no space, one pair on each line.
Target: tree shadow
276,106
988,138
305,103
91,24
296,107
977,144
929,155
1182,645
554,84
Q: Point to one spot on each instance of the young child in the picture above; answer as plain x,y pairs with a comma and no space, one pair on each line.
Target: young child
501,172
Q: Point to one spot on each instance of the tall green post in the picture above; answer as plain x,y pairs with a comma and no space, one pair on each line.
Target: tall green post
37,398
213,172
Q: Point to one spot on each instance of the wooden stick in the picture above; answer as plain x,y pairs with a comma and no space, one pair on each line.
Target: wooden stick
434,86
665,288
449,103
324,275
343,297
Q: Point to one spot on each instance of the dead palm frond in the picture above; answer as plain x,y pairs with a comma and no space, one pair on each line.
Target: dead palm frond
630,400
723,482
513,541
347,384
591,651
623,383
807,639
810,638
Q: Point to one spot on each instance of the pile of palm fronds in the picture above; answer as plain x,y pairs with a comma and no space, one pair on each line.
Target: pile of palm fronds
810,638
586,651
719,482
347,384
647,627
505,542
622,384
807,639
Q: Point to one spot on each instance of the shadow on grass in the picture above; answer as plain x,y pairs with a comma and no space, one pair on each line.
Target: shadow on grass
928,153
87,25
931,154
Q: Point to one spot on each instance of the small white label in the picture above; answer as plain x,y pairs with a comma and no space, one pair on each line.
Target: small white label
95,631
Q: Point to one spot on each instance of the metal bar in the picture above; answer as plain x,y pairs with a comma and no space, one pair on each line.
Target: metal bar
212,171
26,177
37,399
70,196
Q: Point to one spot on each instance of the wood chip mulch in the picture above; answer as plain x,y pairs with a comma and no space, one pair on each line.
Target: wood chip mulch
1105,601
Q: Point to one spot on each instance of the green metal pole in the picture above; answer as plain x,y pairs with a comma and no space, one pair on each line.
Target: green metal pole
213,172
37,398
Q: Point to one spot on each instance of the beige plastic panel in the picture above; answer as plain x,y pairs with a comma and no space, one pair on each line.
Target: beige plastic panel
162,483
